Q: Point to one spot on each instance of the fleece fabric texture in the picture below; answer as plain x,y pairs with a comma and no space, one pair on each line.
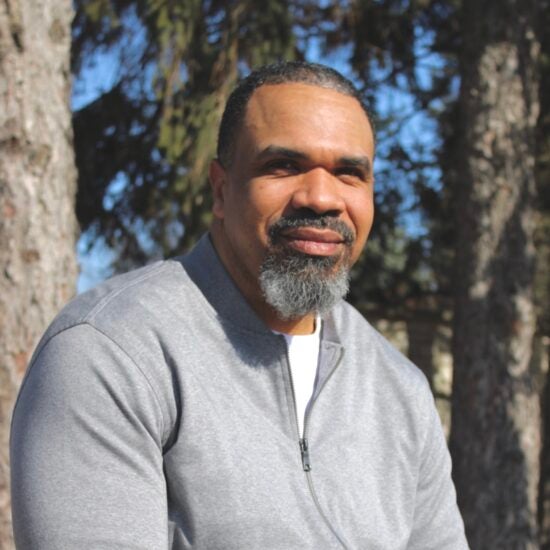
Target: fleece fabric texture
157,413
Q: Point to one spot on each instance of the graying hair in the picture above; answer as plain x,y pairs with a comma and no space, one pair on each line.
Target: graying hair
296,284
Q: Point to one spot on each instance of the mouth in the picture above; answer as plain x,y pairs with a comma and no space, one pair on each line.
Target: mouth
313,241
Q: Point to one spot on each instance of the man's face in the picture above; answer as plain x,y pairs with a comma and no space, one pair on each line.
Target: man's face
300,183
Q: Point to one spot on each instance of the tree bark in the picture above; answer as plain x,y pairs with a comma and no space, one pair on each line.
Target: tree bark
495,437
544,488
542,276
37,186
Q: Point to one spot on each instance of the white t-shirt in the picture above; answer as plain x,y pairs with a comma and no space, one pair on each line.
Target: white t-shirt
303,355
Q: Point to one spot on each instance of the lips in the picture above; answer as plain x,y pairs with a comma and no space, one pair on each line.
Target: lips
322,236
313,241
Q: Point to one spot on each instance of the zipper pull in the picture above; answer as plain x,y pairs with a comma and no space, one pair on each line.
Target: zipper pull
305,455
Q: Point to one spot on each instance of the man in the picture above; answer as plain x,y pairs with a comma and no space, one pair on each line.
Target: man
230,399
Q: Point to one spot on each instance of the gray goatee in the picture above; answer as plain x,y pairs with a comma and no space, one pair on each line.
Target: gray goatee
297,284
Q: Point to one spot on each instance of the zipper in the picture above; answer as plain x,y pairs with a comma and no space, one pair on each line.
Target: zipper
305,454
304,446
292,391
302,440
322,514
310,405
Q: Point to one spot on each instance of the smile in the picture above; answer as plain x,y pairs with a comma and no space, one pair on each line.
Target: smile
313,241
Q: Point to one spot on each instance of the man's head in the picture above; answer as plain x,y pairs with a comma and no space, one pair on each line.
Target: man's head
292,189
277,73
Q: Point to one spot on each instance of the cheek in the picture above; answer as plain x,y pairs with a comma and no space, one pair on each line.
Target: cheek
361,210
267,203
245,206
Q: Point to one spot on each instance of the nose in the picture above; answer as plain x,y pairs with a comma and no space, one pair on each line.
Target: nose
318,191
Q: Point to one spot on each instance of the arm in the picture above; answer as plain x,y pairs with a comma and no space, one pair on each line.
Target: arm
86,450
437,521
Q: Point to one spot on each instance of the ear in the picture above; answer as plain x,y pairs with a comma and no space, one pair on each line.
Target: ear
217,177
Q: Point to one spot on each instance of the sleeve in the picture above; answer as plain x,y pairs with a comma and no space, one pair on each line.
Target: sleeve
86,450
437,523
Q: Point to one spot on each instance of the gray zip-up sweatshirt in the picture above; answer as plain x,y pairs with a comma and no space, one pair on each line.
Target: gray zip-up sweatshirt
158,413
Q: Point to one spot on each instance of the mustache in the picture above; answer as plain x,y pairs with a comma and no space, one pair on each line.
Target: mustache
308,220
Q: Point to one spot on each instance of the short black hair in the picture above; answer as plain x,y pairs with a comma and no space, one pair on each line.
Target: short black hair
277,73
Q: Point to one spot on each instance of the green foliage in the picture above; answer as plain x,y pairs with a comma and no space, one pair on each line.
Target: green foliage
144,144
154,131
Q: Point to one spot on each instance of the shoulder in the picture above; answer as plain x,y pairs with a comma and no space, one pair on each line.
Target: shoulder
131,314
396,388
363,340
126,298
113,338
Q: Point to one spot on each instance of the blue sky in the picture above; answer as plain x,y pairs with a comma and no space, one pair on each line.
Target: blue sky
102,74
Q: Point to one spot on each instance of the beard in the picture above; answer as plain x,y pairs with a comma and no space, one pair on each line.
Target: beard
296,284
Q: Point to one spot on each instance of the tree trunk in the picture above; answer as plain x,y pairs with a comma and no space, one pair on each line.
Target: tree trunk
542,277
495,437
37,187
544,489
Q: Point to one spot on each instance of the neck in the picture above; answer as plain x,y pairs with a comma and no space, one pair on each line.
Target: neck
252,293
305,325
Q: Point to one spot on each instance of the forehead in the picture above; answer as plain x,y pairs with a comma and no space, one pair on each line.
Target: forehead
302,115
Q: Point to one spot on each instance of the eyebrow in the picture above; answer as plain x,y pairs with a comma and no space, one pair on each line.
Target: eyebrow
360,162
277,151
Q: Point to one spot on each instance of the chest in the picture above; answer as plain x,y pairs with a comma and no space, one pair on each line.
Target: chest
234,470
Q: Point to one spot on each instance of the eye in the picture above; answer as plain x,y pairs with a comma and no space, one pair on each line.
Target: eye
351,172
281,167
